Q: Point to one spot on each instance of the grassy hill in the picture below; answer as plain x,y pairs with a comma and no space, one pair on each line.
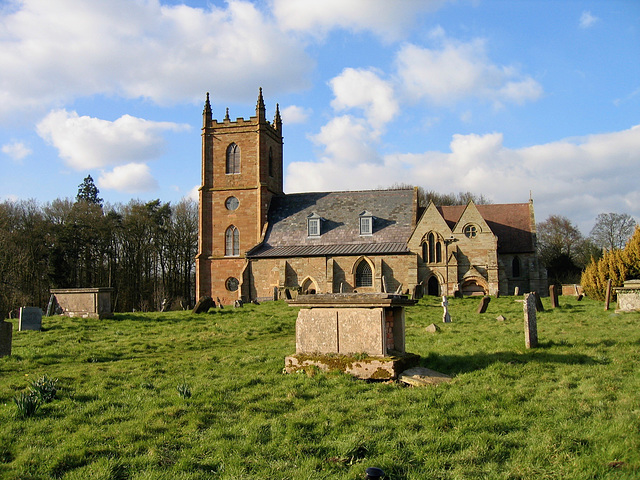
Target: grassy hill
569,409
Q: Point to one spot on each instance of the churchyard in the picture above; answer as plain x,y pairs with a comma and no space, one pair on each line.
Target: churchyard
182,396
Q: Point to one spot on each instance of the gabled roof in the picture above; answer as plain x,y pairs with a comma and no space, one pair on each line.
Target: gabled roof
510,222
286,236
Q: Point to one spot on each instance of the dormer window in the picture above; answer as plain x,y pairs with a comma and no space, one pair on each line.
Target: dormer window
313,225
366,223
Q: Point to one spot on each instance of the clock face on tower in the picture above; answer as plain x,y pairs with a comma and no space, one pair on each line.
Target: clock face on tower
231,203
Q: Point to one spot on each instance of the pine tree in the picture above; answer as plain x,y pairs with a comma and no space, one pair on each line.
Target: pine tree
88,192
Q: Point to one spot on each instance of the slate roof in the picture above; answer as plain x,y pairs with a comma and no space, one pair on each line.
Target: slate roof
287,236
510,222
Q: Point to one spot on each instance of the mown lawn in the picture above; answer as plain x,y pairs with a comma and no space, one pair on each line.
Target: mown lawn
569,409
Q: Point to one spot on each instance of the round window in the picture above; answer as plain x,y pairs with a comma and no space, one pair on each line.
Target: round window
471,231
232,203
232,284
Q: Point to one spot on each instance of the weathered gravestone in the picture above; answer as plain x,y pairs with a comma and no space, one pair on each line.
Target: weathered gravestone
446,318
539,306
530,322
30,319
432,328
607,297
484,303
553,293
203,305
6,331
516,292
501,318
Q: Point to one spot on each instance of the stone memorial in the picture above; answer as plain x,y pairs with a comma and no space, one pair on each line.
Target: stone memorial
628,296
607,297
30,319
446,318
432,328
203,305
84,302
530,322
539,306
366,330
484,303
553,293
6,334
516,291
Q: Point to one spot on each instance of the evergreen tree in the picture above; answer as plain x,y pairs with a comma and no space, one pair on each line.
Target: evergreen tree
88,192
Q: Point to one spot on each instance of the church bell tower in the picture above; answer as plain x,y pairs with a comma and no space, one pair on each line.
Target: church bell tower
241,172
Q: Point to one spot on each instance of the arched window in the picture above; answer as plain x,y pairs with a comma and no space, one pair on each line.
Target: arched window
233,159
432,247
232,242
439,252
425,252
270,162
515,267
364,276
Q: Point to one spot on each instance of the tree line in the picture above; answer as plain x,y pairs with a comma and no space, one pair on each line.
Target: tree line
145,251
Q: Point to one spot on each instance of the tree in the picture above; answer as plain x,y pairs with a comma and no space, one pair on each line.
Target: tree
88,192
441,199
612,230
559,243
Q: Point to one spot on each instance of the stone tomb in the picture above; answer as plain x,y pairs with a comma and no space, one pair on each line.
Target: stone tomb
30,319
361,334
85,302
628,296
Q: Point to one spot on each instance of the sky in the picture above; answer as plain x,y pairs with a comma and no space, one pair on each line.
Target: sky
509,100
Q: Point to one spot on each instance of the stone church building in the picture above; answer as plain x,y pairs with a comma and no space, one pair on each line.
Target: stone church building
255,240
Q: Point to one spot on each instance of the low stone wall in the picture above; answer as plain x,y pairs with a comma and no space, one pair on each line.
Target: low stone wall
85,302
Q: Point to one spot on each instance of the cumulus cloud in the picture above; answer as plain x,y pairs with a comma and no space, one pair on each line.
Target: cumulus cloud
458,70
387,19
52,52
16,150
130,178
294,114
364,89
573,177
87,142
587,19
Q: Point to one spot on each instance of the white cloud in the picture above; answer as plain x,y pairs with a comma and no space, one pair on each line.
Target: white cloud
130,178
574,177
587,19
194,193
364,89
86,142
390,20
52,52
457,71
294,114
16,150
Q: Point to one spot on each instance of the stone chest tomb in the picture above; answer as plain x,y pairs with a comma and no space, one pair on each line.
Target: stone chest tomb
85,302
629,296
332,330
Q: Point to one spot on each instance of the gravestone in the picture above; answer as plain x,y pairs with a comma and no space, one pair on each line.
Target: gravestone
530,322
433,328
607,297
553,293
275,294
501,318
219,303
580,297
203,305
539,306
446,318
6,331
484,303
30,319
458,294
238,304
516,292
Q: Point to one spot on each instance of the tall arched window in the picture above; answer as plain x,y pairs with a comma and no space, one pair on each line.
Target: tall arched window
270,162
425,252
515,267
232,242
364,276
439,252
432,247
233,159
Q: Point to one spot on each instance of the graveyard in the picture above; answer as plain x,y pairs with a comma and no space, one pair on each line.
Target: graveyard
178,395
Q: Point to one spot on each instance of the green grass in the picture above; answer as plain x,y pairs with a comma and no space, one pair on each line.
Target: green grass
569,409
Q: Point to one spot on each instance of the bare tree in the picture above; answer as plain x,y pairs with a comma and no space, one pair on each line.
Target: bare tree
612,230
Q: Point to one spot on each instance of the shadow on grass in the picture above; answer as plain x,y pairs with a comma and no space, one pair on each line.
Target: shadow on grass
455,364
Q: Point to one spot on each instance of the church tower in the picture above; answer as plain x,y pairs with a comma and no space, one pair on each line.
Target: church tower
241,172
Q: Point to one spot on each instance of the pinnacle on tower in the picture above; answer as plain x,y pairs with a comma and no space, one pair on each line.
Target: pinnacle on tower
226,115
207,114
260,108
277,120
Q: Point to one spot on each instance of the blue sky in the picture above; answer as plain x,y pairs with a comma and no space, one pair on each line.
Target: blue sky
499,98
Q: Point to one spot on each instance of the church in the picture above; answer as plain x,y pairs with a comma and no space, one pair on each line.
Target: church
256,242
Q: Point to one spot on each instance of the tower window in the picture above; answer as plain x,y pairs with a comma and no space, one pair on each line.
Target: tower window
515,267
233,159
270,162
364,276
232,242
